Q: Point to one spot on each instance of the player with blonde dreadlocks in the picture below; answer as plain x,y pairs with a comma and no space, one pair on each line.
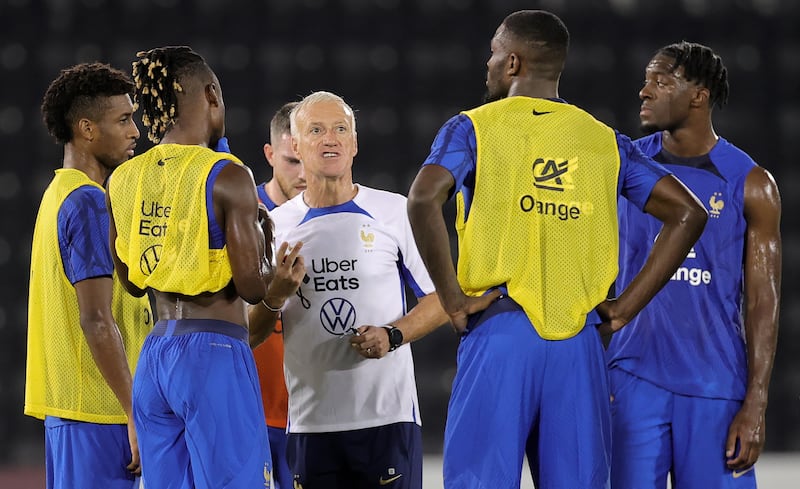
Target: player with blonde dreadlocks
185,225
160,106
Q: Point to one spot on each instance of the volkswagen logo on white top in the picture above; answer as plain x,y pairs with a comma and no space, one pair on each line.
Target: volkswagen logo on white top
337,316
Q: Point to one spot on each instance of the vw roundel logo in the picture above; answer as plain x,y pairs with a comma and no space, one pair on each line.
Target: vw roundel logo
337,315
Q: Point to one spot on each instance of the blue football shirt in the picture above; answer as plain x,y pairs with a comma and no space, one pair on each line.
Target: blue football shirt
690,338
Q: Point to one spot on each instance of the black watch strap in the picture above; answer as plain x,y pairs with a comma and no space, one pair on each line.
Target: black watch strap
395,337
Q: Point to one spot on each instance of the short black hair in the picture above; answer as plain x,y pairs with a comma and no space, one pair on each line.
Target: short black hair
158,74
541,31
701,65
81,91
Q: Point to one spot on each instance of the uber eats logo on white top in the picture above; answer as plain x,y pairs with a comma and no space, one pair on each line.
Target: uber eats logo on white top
333,275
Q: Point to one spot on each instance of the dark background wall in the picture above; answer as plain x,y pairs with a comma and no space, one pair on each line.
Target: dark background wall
405,67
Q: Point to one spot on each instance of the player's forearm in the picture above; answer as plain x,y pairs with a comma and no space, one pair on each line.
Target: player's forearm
761,333
282,282
261,322
250,269
762,279
425,317
108,351
669,251
683,218
246,253
433,243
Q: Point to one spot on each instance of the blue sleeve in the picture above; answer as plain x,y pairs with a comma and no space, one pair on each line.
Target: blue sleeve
455,149
263,197
216,235
638,173
83,235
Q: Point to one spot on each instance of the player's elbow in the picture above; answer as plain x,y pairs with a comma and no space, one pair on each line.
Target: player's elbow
121,271
251,289
415,202
132,289
419,207
251,297
96,323
694,218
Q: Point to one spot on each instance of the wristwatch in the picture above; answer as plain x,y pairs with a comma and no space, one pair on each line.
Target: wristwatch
395,337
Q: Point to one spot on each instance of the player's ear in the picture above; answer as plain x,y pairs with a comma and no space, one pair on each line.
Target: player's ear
212,94
514,64
269,153
296,148
84,129
701,97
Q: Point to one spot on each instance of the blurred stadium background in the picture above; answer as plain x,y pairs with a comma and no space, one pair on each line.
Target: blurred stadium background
406,67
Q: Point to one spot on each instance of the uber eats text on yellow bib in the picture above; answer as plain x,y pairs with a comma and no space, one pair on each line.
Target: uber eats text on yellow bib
158,201
543,217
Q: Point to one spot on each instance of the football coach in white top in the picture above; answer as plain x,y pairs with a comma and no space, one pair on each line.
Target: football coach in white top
353,412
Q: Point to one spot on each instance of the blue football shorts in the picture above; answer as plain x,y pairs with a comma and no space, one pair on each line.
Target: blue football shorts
197,408
282,477
87,455
657,432
516,394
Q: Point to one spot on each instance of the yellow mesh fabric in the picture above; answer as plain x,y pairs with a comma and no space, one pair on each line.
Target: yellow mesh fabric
543,217
159,204
61,377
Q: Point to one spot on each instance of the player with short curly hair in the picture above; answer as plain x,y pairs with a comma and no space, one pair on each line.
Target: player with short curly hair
84,331
81,91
